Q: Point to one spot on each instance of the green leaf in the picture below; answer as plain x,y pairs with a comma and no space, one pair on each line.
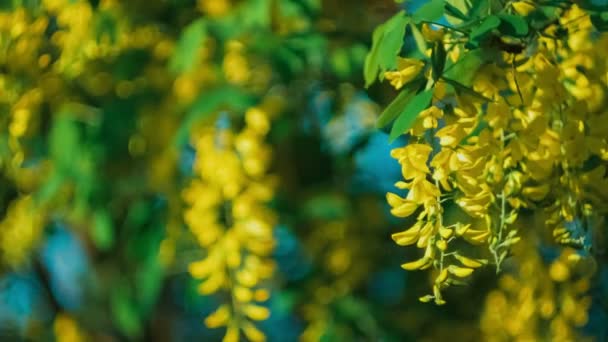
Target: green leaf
451,10
600,21
392,41
326,206
340,62
186,51
64,142
256,14
465,68
490,23
409,114
148,282
51,187
462,88
438,60
102,232
431,11
124,311
105,26
419,39
513,25
396,107
371,66
387,41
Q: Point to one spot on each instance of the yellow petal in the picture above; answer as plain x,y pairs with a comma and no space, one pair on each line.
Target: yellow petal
479,238
407,237
442,245
461,272
200,269
242,294
393,199
219,317
211,284
406,209
468,262
256,312
445,233
442,277
232,334
261,295
247,278
253,333
438,298
414,265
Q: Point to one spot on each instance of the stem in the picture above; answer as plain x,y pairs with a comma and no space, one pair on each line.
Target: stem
445,26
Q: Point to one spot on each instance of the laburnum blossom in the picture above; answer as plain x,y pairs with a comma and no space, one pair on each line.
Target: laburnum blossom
530,132
228,216
559,302
407,70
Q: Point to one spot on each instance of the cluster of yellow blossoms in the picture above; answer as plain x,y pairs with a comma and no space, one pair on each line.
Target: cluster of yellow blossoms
529,134
21,39
21,228
229,217
542,302
67,330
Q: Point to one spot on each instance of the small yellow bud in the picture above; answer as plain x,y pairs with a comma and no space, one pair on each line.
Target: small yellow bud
246,278
242,294
438,298
442,277
232,334
442,245
425,299
522,7
261,295
256,312
211,284
445,233
219,317
559,271
253,333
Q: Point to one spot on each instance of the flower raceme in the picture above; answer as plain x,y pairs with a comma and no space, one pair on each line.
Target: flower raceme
529,133
231,222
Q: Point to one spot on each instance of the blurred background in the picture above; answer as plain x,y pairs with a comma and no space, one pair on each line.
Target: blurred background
99,100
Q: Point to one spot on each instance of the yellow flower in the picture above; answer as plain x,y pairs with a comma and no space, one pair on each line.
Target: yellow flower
413,158
227,213
401,207
407,70
427,119
214,8
423,192
67,330
523,7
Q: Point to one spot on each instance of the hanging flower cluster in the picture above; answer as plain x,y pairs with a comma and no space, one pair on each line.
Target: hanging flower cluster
525,136
229,217
537,296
